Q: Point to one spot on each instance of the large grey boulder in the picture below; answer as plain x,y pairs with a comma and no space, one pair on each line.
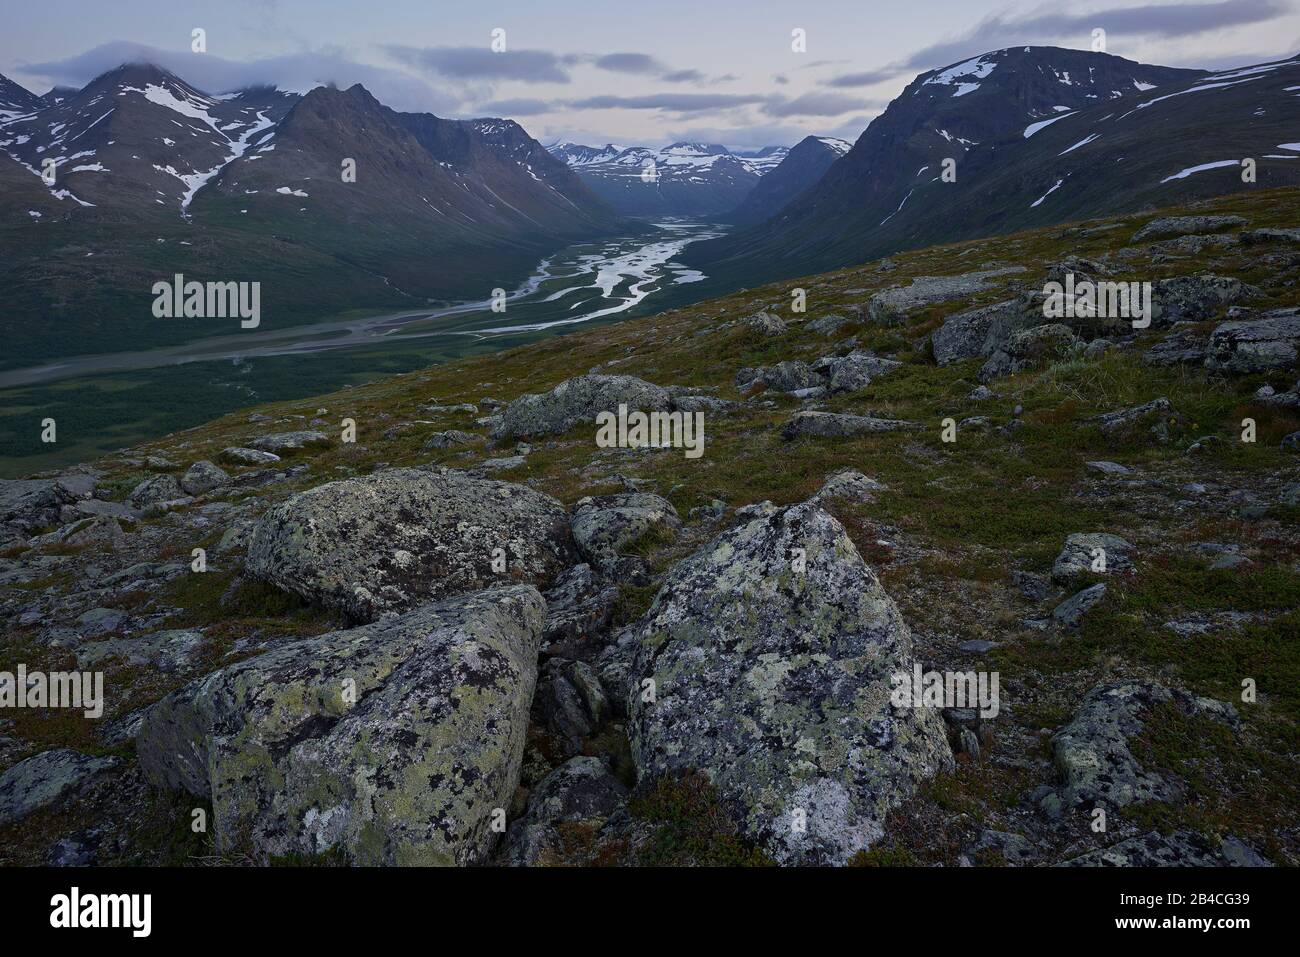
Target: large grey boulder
578,401
396,742
856,370
605,526
981,331
772,652
1269,342
394,539
203,476
1195,298
29,504
45,778
155,490
1092,753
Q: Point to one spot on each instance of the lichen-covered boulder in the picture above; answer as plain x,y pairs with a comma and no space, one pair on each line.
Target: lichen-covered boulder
1092,752
772,653
981,331
396,539
1270,342
577,401
605,526
856,370
1195,298
396,742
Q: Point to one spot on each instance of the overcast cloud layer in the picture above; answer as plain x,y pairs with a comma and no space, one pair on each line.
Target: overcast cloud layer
627,74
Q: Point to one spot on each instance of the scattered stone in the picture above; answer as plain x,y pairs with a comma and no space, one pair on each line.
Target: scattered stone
168,651
578,610
899,301
290,441
1109,468
981,393
242,456
101,621
1255,237
982,331
155,490
1168,226
1180,849
765,323
850,484
1114,422
571,700
775,683
46,778
450,439
409,773
1092,552
394,539
606,526
581,791
1070,612
1092,752
1015,850
829,325
838,425
1195,298
977,646
791,376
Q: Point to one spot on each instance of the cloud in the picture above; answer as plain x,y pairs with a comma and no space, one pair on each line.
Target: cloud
1151,21
480,63
639,63
1158,20
672,102
868,78
689,76
815,104
519,106
295,71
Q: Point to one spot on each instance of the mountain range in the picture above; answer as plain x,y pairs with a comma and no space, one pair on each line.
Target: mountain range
153,176
682,179
1033,136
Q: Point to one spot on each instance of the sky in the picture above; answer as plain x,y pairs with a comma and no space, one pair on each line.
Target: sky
646,72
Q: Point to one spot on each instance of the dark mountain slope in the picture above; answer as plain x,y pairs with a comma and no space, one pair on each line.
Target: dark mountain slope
982,104
802,168
437,205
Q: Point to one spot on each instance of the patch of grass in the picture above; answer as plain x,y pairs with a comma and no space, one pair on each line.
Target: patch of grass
691,827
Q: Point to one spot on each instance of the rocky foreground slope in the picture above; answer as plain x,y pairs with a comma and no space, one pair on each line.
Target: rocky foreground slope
475,635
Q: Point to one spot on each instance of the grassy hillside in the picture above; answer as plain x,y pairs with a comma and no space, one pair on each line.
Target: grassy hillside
956,522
